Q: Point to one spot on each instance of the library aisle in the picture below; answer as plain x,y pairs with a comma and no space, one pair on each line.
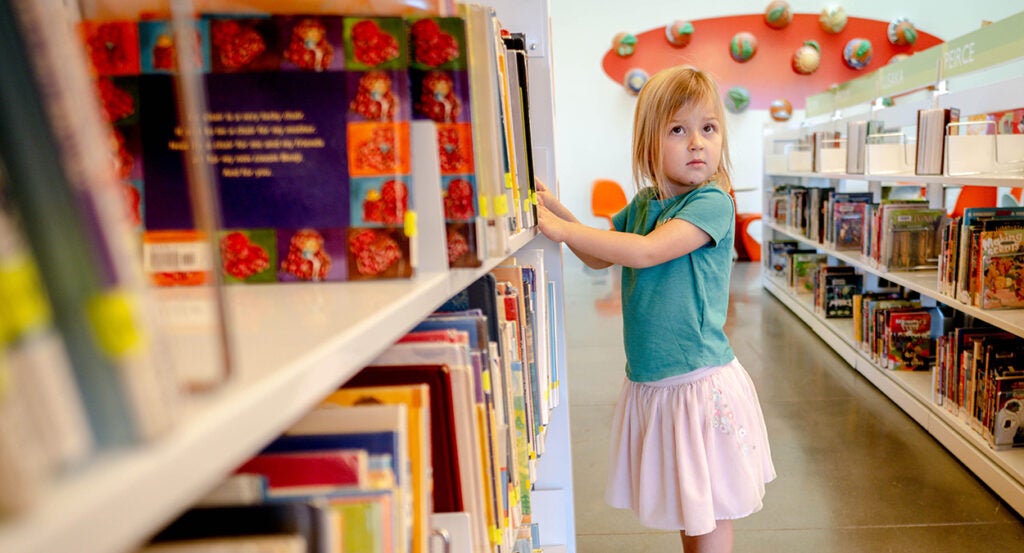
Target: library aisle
855,473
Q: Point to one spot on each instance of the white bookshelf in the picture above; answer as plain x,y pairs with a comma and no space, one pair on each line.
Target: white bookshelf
292,345
991,85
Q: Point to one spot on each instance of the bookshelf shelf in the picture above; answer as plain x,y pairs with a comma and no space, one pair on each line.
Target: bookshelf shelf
277,381
984,88
291,345
922,282
980,180
1003,471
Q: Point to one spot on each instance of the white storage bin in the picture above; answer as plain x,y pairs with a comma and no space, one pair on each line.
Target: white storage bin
889,154
775,164
993,154
799,160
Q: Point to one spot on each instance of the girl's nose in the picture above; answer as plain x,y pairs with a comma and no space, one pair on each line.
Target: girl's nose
696,142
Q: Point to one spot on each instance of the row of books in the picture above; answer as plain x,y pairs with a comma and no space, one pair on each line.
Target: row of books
942,143
979,256
979,377
84,364
450,419
977,371
894,234
313,163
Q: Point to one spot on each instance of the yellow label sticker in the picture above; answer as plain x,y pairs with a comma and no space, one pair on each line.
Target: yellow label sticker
486,381
533,198
410,223
501,205
112,315
5,378
485,209
508,181
21,294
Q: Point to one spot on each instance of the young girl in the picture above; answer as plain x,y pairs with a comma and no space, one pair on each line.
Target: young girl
689,450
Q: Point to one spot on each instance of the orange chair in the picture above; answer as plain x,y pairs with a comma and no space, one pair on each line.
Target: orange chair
606,199
747,248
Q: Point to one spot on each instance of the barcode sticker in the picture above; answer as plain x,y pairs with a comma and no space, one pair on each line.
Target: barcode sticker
172,257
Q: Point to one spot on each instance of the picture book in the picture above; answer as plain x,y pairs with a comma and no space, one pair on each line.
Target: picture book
778,256
457,358
849,221
931,138
380,429
322,470
488,126
1008,409
416,398
444,459
304,195
970,225
802,266
839,292
910,345
1001,269
439,71
910,239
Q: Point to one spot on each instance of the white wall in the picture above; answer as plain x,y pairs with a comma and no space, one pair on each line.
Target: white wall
594,115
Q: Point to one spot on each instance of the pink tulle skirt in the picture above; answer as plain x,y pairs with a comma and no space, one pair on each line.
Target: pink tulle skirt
689,450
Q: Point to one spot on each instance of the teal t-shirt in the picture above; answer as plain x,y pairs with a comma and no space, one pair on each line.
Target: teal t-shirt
674,313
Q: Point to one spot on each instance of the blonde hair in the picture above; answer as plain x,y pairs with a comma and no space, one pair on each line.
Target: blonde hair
660,98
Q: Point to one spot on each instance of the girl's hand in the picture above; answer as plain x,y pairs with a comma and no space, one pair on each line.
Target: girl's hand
551,225
547,199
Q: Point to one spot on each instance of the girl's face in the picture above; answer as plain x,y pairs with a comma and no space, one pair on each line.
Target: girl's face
691,147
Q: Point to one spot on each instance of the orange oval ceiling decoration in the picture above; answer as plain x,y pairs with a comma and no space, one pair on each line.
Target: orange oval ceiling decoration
769,74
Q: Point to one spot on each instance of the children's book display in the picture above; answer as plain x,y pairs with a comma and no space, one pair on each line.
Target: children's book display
453,416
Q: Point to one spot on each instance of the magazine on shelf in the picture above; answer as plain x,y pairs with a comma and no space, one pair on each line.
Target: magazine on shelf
909,342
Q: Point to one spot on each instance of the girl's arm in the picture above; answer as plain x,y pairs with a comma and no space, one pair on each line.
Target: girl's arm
670,240
553,208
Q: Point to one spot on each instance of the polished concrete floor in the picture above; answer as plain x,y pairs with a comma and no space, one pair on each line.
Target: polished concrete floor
855,473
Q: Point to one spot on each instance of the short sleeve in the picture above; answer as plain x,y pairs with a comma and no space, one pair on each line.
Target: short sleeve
709,208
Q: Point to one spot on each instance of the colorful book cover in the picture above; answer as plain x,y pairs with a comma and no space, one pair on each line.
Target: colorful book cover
849,220
1001,269
312,162
310,470
439,71
416,398
839,292
910,343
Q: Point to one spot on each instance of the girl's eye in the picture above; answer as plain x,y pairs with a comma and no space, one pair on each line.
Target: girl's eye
709,128
676,130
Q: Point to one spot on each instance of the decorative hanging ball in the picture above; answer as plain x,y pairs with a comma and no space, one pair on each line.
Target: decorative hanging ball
624,44
897,57
886,101
634,80
832,19
857,53
807,58
737,99
777,15
743,46
901,32
679,33
781,109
